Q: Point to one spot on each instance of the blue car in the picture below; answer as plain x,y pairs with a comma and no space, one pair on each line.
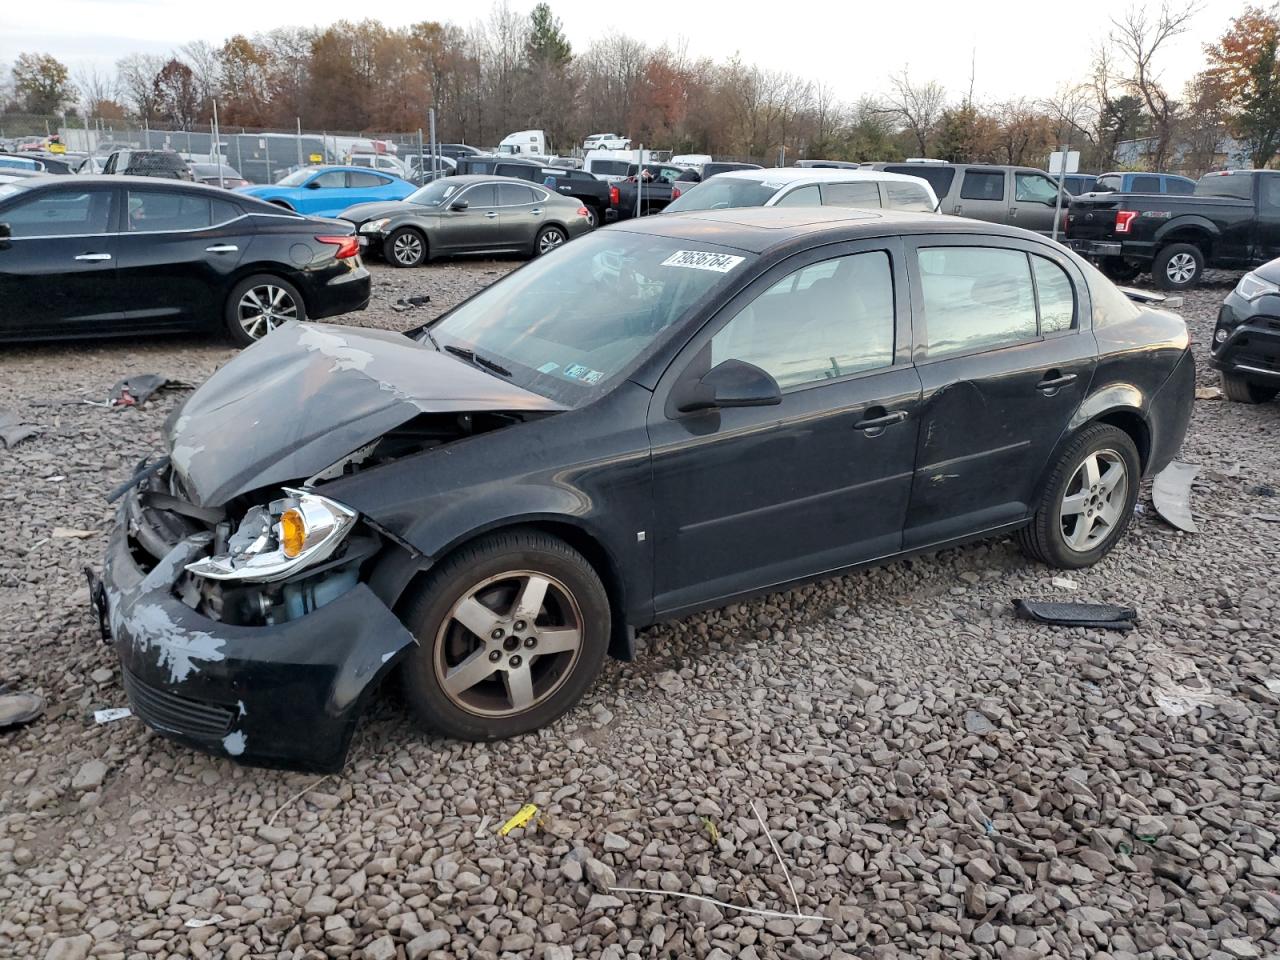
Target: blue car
1121,182
326,191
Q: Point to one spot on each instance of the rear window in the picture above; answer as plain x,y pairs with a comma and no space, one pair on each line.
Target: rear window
1179,186
938,177
908,196
610,168
1239,186
720,193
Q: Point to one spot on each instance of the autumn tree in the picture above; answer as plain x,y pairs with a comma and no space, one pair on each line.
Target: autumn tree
243,82
1244,74
41,84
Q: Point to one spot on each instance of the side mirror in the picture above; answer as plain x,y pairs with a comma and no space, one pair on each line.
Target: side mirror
732,383
459,205
5,231
313,184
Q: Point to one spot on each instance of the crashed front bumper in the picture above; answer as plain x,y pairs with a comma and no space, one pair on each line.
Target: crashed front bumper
282,695
1250,344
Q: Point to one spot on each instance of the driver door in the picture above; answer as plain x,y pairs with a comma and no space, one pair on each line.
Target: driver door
325,191
476,228
1035,201
749,498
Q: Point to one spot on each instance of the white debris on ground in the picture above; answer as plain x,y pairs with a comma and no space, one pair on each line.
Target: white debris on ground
940,779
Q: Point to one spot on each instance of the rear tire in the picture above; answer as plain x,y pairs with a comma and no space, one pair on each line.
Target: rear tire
1119,270
594,217
260,303
1178,266
1240,390
1087,501
549,238
468,619
405,247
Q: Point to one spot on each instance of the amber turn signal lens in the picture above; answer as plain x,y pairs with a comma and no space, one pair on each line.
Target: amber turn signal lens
293,532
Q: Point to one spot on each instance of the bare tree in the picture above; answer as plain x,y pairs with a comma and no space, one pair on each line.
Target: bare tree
135,79
96,89
206,69
918,106
1139,36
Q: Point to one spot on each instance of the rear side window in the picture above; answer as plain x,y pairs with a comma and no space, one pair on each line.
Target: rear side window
827,320
982,185
513,194
1145,185
1237,186
975,299
224,211
1055,295
1179,186
938,177
907,196
59,213
801,197
861,194
365,180
332,180
152,211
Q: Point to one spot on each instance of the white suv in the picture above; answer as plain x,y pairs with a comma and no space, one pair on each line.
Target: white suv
808,187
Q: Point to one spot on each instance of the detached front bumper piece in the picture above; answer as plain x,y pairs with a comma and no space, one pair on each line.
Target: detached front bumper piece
282,695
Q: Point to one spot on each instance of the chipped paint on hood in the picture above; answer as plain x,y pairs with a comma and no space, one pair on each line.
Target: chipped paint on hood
308,394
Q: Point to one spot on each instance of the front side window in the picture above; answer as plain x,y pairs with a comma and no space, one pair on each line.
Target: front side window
865,193
60,213
481,195
975,299
1034,188
908,196
826,320
436,193
801,197
153,211
982,185
569,324
330,180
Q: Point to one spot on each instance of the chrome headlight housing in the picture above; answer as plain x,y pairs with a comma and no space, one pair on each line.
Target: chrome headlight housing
278,540
375,226
1252,286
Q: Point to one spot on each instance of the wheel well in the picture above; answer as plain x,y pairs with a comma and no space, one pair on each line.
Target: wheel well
621,645
280,203
1132,424
1192,235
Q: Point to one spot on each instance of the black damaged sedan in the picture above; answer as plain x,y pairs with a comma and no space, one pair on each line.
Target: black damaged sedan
655,419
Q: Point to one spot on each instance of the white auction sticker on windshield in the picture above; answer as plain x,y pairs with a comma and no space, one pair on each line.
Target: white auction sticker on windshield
703,260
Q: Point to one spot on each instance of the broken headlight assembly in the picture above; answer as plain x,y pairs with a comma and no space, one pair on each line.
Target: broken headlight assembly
278,540
375,226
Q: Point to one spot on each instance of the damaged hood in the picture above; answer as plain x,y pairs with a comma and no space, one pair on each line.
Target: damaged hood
307,395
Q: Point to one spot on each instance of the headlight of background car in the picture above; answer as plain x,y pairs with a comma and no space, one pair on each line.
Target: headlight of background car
278,540
1251,287
374,226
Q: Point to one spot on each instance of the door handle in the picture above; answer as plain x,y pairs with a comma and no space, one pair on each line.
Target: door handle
880,422
536,211
959,210
94,257
222,248
1051,382
491,215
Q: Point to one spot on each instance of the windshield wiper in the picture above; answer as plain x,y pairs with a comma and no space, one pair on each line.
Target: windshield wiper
478,360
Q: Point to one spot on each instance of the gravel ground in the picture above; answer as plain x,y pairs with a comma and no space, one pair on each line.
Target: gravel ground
941,779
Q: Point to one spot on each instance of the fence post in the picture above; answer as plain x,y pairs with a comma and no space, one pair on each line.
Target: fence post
298,120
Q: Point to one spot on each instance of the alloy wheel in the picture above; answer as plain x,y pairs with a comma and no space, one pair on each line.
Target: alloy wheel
265,307
407,249
1180,268
1094,503
550,240
508,643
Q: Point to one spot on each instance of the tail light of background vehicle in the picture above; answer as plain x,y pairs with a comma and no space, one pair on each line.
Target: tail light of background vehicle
1124,218
675,193
347,246
584,212
614,196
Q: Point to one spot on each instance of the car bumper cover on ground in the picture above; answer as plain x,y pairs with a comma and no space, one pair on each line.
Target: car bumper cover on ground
283,695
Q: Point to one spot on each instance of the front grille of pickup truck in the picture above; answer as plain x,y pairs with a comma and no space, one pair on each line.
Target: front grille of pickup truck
170,712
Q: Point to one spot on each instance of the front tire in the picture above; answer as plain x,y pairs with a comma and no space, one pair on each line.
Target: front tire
1178,266
259,304
511,631
1087,502
1240,390
548,239
405,247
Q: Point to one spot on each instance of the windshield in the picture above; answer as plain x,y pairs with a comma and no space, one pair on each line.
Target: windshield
721,192
297,178
571,322
436,192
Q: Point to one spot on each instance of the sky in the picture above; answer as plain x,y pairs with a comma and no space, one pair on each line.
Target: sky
1019,48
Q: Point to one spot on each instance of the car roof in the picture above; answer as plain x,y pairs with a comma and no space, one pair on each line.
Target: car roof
757,229
786,176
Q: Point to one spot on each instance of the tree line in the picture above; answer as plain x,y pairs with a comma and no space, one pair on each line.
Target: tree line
510,72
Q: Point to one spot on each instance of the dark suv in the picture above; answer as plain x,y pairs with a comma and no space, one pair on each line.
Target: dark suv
148,163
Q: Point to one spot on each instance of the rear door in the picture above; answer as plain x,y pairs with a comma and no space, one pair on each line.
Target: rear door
1005,357
177,251
521,212
57,269
984,194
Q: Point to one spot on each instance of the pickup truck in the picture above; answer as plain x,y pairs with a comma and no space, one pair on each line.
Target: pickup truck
582,186
657,185
1231,221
